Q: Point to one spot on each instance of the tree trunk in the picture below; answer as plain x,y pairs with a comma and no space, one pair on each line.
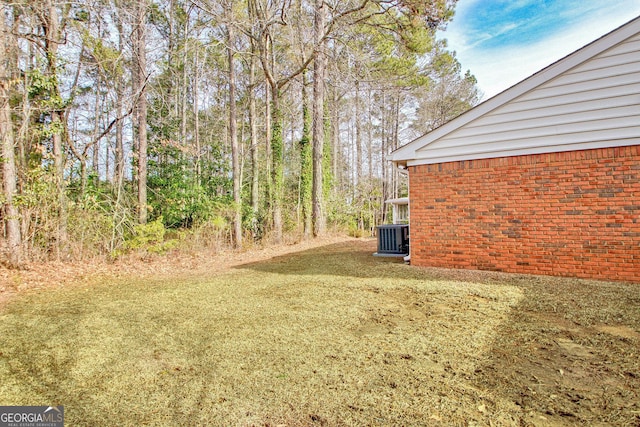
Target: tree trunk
140,73
275,140
52,34
118,171
267,145
277,167
254,137
306,169
97,112
383,156
358,136
319,65
394,144
196,118
335,141
233,135
10,212
369,135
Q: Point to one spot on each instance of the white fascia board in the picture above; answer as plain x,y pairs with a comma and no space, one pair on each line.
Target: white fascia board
407,155
521,152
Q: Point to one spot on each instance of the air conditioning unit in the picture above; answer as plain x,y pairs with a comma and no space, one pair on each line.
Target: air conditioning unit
393,239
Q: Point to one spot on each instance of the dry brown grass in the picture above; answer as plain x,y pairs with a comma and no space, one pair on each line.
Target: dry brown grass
327,336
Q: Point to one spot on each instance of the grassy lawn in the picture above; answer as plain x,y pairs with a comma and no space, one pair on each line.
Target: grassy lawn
329,336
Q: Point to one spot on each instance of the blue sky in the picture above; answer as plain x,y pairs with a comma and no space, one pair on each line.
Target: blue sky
504,41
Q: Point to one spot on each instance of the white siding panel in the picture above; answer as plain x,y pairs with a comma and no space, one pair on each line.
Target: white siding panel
534,124
632,44
628,46
623,53
584,87
591,75
560,98
607,61
547,135
557,110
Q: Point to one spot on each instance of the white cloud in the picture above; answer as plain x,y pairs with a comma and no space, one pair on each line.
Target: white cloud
498,68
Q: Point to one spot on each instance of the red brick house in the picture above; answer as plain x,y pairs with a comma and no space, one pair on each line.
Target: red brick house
543,178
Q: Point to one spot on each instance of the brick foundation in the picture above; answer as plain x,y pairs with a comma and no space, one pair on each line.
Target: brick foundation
573,214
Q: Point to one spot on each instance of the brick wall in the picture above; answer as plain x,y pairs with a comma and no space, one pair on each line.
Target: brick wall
566,214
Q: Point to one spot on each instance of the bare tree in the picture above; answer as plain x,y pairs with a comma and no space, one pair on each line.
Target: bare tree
53,28
233,135
10,212
253,119
139,71
267,17
319,65
118,173
306,164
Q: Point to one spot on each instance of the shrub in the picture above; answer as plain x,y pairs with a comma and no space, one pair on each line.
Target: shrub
150,238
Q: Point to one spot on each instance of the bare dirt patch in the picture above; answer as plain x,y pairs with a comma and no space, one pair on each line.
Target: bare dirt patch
569,354
324,336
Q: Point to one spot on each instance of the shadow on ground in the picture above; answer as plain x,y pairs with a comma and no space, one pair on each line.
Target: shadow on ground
353,258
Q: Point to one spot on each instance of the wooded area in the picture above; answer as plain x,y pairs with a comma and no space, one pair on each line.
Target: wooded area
211,120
